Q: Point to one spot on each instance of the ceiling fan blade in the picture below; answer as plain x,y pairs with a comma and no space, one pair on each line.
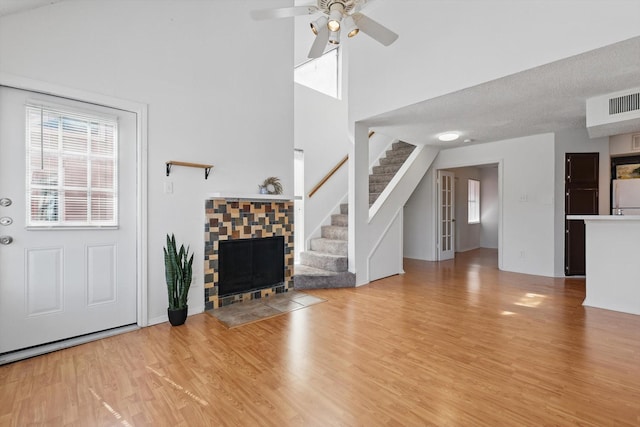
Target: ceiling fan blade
376,31
317,48
283,12
361,4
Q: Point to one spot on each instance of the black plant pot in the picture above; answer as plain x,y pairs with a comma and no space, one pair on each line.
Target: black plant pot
177,317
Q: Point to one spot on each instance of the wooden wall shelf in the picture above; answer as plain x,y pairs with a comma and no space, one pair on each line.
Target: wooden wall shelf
207,168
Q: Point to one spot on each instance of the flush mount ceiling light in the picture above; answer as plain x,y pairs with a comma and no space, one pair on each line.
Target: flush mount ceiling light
448,136
336,15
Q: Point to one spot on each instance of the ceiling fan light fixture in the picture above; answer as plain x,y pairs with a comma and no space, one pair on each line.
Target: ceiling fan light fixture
334,37
448,136
334,21
335,16
317,24
350,26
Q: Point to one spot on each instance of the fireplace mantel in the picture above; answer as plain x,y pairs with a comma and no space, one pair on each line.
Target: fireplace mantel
256,196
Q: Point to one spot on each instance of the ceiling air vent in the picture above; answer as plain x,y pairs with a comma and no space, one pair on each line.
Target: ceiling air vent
623,104
614,113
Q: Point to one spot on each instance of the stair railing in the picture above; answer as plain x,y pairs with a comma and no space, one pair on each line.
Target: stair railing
328,175
331,172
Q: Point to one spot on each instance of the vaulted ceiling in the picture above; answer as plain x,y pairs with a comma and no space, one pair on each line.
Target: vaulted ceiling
548,98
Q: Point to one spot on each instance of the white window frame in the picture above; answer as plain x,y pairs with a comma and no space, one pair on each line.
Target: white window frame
473,201
335,92
60,188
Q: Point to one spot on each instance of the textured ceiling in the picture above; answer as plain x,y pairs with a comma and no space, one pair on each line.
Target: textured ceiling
14,6
548,98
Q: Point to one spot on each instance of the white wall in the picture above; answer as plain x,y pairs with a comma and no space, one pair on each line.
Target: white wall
386,259
321,131
489,207
214,94
417,221
577,141
378,146
447,45
527,193
620,145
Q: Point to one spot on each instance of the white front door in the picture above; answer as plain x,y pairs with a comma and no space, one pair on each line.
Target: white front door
62,275
446,226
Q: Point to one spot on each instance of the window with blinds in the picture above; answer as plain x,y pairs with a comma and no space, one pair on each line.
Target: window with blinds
71,169
474,202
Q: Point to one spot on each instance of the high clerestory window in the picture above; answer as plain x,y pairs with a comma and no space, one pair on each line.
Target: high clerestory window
71,169
321,74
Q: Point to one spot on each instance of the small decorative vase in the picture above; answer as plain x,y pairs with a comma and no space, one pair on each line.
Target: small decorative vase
177,317
263,190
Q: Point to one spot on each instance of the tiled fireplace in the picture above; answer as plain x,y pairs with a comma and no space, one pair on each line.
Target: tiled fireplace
233,218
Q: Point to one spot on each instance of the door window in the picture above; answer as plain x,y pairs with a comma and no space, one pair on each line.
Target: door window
71,169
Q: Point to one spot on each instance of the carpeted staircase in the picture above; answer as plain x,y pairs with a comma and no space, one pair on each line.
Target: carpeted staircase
325,265
389,165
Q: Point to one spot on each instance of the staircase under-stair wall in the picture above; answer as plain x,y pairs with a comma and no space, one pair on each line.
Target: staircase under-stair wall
325,264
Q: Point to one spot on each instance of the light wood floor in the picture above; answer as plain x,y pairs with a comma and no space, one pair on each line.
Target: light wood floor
456,343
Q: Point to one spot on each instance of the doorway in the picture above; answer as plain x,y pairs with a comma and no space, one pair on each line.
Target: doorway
476,207
70,265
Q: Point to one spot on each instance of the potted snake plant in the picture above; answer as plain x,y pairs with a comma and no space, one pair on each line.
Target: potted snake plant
178,274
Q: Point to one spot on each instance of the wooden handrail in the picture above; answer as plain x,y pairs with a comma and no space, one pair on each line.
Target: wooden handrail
332,171
328,175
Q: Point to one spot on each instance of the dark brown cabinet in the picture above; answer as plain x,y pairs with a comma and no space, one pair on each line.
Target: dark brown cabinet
581,198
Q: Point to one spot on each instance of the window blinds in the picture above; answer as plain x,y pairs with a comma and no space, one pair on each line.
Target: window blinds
71,169
474,202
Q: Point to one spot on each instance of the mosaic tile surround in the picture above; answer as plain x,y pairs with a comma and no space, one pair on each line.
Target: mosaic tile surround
244,219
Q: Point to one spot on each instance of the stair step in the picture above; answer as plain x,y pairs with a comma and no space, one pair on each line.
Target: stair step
373,197
334,232
305,277
335,247
388,161
324,261
344,208
399,153
380,177
377,187
386,169
340,220
402,144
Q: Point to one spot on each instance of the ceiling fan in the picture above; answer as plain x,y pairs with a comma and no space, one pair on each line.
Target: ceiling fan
338,16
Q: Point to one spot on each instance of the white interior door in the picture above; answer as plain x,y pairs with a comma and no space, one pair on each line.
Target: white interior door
446,212
62,275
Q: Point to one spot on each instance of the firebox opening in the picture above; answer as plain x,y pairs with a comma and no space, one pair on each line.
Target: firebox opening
250,264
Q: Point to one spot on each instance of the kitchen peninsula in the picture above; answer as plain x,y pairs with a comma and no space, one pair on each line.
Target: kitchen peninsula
612,252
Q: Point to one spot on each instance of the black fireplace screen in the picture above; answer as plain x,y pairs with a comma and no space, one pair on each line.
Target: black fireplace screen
249,264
